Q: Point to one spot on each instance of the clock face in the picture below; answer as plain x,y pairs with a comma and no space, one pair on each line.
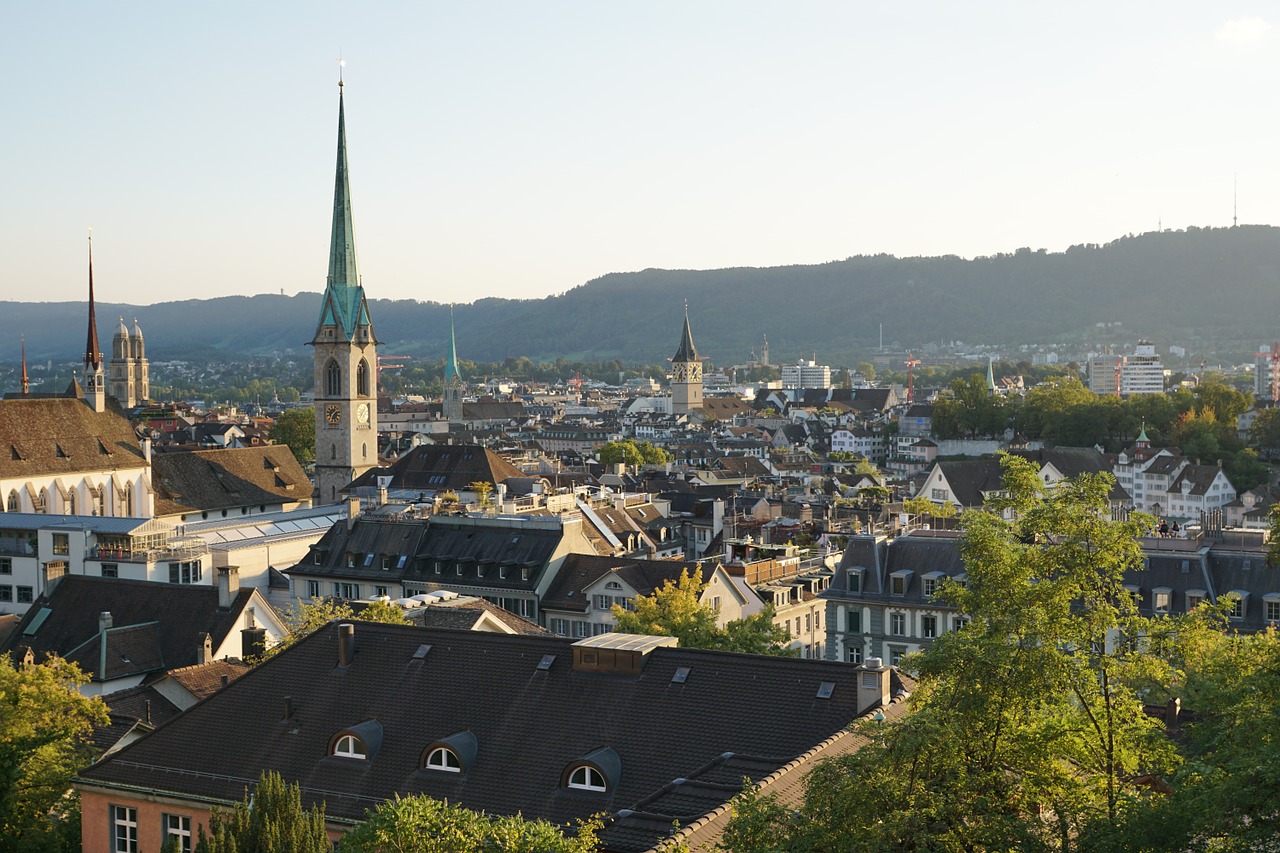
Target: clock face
362,413
332,414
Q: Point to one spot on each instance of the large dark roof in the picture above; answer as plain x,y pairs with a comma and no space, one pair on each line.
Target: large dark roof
41,437
530,725
155,625
197,480
579,571
436,467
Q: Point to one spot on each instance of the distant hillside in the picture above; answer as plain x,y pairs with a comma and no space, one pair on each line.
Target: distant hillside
1203,288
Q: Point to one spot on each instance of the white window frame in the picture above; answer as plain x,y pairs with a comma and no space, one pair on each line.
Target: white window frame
584,777
897,624
443,760
350,746
124,829
176,826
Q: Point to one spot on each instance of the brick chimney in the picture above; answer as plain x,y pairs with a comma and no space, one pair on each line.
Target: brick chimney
353,512
873,685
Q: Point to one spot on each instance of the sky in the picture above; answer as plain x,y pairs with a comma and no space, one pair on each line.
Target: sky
519,149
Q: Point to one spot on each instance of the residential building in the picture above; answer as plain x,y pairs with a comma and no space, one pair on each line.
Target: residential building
544,727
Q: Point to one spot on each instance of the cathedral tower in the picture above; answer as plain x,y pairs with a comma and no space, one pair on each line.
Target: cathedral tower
346,394
95,379
453,384
686,374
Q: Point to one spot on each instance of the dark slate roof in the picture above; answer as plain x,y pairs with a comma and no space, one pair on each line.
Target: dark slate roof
530,725
177,615
1073,461
971,478
463,613
204,480
436,467
55,436
1200,477
579,571
686,351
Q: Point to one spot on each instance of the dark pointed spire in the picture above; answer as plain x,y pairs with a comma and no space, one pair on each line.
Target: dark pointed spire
687,351
26,380
92,355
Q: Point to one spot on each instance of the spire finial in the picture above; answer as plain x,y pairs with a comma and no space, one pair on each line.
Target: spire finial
26,380
342,63
92,356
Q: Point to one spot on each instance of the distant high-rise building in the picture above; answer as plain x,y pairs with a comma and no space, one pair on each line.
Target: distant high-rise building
346,358
806,374
1138,373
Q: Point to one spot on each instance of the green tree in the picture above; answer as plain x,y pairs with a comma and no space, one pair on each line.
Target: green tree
1028,729
44,739
619,452
383,611
1265,432
305,617
676,610
297,429
424,825
482,489
271,819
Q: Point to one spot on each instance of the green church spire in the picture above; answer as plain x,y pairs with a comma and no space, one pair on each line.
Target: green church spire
344,304
451,372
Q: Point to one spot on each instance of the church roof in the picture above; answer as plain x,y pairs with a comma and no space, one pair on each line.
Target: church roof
203,480
687,351
344,304
43,436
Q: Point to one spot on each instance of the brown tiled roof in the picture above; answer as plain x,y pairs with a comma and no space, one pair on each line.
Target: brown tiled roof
530,724
205,679
39,437
203,480
437,467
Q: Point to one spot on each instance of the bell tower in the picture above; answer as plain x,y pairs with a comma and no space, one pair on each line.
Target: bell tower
686,373
346,394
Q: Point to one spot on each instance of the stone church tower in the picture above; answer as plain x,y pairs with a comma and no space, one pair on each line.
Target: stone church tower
686,374
130,375
346,359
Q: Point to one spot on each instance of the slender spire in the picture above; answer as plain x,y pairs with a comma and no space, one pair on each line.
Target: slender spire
26,380
92,355
687,351
991,375
451,372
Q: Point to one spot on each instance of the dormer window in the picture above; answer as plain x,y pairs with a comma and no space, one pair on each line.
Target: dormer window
585,778
350,746
444,760
855,580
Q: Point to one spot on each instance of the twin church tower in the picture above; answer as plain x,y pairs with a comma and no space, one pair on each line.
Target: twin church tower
346,357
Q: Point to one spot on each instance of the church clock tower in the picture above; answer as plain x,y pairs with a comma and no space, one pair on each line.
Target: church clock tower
686,374
346,394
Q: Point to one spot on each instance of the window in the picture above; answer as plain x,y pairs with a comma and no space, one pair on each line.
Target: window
586,778
379,591
938,494
25,595
362,378
6,592
124,829
346,590
111,570
854,618
898,583
178,828
854,654
808,623
930,586
960,622
898,624
1161,599
1237,603
61,544
1194,597
1271,604
581,629
855,580
559,627
928,626
332,379
15,503
6,565
350,746
313,589
42,502
444,760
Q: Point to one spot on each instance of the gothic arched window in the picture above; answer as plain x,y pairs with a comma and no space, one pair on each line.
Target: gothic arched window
71,502
128,500
362,378
15,502
42,502
332,379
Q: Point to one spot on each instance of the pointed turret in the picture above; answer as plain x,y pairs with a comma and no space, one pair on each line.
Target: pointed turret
92,355
687,352
991,375
1143,441
26,380
344,304
452,375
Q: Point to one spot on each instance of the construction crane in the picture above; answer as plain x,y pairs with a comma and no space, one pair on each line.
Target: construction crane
912,361
388,362
1273,358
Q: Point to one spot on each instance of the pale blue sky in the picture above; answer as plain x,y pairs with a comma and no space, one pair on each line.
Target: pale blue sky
517,149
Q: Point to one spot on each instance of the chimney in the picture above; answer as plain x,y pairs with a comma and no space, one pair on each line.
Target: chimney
204,652
54,572
346,644
228,586
353,512
500,491
253,642
104,620
146,449
288,707
873,685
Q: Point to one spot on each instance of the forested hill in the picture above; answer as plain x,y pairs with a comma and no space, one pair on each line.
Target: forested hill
1202,288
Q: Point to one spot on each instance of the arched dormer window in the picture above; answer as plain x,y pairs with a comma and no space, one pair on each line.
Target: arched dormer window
362,378
359,742
443,759
350,746
454,754
332,379
597,772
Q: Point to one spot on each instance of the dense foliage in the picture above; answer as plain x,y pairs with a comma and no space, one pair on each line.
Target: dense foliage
270,819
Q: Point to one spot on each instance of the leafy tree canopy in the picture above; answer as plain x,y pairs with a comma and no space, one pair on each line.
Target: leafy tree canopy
297,429
632,452
271,819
